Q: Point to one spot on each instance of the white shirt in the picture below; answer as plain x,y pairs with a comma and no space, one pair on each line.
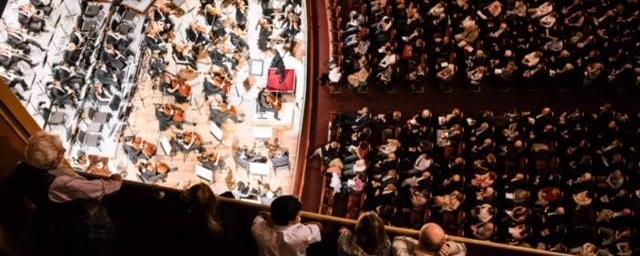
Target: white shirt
291,240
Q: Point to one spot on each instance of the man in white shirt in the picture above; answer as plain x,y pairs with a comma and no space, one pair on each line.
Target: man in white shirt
281,232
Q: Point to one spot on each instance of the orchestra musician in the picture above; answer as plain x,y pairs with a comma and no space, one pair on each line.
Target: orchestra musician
161,15
137,148
189,141
72,54
121,42
10,78
182,55
113,58
197,34
61,95
213,19
10,57
42,5
217,83
169,114
102,95
221,111
106,76
152,172
31,18
212,160
269,102
153,40
19,38
179,89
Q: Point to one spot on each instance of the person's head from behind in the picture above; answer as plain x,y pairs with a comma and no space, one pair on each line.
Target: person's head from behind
203,205
369,232
284,210
44,151
432,236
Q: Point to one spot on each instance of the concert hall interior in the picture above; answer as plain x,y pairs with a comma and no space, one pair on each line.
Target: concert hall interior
514,125
166,92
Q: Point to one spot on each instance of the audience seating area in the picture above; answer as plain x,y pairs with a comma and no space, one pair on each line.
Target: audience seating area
558,181
532,44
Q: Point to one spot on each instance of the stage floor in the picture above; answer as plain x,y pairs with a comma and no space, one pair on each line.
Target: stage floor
252,132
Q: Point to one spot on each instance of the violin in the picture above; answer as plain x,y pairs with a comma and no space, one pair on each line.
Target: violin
148,149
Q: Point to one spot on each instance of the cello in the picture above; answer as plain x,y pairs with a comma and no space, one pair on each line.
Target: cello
144,147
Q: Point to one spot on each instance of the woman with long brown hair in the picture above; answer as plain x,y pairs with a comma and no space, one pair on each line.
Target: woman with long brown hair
203,229
369,237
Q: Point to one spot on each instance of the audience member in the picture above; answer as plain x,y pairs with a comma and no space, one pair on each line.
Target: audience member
431,241
369,237
71,216
281,233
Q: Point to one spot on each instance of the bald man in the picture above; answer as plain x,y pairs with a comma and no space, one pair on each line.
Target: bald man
432,241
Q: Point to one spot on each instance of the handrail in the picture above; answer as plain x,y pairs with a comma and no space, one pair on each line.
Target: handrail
350,222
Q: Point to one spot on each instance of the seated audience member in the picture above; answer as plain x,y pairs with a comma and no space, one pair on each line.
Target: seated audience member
281,233
73,220
369,238
431,241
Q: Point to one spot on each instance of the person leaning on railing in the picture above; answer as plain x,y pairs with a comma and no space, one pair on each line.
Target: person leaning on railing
72,220
281,233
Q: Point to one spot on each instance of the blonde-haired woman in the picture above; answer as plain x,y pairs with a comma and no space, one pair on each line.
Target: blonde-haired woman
369,237
73,221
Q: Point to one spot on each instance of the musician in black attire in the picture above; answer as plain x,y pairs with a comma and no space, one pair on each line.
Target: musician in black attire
61,95
72,54
19,38
264,105
196,34
106,76
113,58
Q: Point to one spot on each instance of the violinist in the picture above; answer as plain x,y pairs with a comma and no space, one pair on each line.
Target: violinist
161,15
180,90
152,172
188,141
113,58
30,18
268,102
61,95
182,55
137,148
196,33
169,114
101,95
153,40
